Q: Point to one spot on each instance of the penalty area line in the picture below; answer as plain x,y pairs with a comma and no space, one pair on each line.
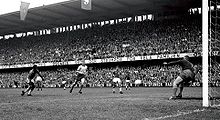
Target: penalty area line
176,115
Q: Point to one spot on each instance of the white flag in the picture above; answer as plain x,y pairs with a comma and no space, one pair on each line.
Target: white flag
86,4
23,10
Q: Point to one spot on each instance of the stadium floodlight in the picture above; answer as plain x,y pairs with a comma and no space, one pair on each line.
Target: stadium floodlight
205,50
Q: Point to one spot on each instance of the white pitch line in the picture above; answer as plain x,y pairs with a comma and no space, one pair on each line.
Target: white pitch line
216,105
176,115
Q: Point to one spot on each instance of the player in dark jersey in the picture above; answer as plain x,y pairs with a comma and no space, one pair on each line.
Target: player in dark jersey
116,81
30,80
187,75
127,81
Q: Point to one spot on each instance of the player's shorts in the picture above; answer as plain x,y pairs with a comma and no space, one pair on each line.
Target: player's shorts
63,82
81,78
127,81
29,80
116,80
187,75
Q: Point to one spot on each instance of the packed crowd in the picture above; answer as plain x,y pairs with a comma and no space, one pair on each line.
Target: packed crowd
150,76
118,40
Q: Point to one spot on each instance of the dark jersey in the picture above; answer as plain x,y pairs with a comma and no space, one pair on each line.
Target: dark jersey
127,77
116,74
185,64
32,74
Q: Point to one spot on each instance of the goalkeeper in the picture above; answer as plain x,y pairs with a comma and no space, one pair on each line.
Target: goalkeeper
186,76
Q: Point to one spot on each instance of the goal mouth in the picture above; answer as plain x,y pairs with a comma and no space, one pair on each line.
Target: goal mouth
213,54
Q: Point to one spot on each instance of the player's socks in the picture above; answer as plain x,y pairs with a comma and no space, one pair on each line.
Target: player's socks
22,93
120,89
179,96
71,90
81,88
113,90
29,92
172,98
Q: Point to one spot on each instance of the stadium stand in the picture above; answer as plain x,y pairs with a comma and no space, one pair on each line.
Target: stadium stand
124,39
108,41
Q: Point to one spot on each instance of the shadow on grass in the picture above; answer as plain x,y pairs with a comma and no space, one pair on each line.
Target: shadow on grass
198,98
191,98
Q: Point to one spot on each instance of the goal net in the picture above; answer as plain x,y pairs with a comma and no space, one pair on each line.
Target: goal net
214,54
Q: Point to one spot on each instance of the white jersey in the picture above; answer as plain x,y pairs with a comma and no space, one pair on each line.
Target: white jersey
38,79
82,69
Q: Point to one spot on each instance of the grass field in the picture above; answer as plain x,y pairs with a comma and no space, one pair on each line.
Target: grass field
102,104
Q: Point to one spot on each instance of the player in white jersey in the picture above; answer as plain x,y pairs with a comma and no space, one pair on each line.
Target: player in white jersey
81,74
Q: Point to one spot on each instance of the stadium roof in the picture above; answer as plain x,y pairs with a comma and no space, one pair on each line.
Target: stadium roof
70,13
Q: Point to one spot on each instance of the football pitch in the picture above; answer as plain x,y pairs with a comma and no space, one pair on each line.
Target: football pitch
101,104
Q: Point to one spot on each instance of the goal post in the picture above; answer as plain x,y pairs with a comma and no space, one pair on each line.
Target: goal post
205,53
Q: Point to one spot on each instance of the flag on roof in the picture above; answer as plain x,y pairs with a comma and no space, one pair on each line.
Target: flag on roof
86,4
23,10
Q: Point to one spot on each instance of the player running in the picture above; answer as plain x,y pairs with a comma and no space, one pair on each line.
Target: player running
81,74
187,74
117,81
30,80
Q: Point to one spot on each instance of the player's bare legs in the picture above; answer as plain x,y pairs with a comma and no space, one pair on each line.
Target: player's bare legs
127,86
80,90
180,93
176,82
25,91
39,86
32,88
120,88
29,89
73,86
113,87
81,85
